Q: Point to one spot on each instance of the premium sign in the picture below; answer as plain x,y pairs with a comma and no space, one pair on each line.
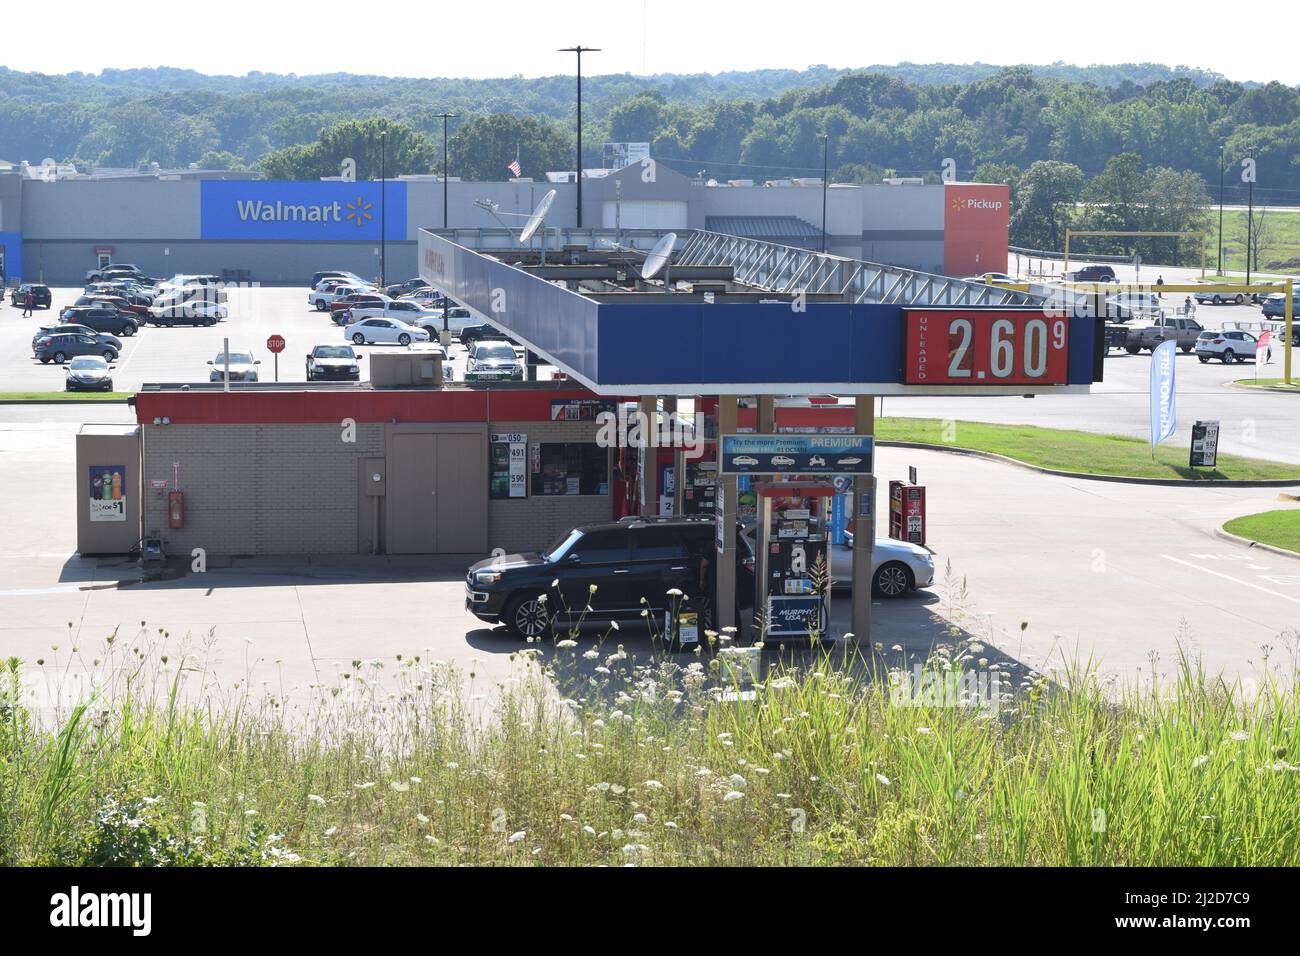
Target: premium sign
508,465
271,209
796,454
986,347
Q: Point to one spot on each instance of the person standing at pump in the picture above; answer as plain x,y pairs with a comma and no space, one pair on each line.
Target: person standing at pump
1160,281
29,303
1189,307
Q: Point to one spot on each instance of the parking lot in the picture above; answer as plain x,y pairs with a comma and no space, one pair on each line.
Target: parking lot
1040,568
181,353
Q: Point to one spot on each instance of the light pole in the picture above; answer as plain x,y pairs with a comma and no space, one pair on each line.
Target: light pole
1250,222
383,202
1221,149
445,165
825,173
579,49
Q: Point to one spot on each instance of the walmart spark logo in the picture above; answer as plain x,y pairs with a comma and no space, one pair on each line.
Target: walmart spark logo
958,204
358,211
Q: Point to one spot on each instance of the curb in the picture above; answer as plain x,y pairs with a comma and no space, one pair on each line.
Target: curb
1121,479
1281,389
63,401
1250,543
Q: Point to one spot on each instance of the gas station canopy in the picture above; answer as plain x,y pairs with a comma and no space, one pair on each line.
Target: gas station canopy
663,342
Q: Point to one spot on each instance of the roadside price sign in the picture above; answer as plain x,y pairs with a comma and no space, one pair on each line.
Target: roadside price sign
986,347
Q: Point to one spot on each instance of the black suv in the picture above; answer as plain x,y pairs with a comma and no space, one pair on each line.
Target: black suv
1095,274
483,333
102,320
40,295
626,560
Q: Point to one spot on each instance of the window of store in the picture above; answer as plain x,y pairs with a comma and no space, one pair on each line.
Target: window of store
571,468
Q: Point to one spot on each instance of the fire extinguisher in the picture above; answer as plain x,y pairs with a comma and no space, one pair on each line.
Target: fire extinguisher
175,509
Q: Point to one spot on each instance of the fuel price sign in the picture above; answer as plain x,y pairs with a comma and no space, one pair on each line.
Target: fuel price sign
986,347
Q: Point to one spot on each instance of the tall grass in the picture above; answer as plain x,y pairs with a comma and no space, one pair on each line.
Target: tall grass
656,761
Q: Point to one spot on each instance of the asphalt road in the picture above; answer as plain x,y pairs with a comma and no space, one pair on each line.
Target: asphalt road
1117,572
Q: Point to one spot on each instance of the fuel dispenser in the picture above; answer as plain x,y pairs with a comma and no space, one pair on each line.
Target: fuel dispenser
907,511
793,557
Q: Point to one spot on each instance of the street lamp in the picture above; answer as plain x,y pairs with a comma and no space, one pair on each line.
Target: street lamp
1250,221
383,202
825,173
1221,149
445,166
579,49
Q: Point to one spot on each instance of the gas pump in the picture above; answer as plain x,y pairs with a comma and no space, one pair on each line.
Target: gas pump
793,557
907,511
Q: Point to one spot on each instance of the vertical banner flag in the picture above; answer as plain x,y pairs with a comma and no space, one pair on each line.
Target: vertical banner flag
1163,418
1262,348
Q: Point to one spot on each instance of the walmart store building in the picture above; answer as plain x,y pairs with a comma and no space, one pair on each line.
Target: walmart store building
275,232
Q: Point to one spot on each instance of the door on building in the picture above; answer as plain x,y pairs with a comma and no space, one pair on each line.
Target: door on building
105,259
437,493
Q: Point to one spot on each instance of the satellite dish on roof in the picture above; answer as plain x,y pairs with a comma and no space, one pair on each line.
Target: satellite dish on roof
659,256
537,218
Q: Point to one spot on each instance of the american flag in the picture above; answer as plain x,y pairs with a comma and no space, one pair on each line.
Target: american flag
515,168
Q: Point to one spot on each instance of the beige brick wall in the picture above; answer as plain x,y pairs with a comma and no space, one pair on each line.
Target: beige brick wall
292,488
258,489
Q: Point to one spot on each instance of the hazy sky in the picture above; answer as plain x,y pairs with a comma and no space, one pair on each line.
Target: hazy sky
503,37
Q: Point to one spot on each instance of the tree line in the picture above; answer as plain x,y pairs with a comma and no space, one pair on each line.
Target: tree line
1125,146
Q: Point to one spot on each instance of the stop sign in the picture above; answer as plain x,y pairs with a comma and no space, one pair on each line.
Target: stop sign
275,344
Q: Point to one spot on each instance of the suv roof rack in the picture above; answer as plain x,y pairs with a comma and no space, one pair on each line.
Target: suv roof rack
649,519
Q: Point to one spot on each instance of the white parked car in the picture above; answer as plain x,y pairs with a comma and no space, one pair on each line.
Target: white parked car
899,566
1219,298
1227,345
243,367
992,278
412,313
374,331
322,298
494,360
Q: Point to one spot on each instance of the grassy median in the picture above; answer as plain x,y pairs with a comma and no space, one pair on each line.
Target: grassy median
1084,452
1279,528
63,396
650,762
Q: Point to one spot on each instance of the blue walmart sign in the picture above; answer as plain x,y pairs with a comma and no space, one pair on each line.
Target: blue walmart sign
321,211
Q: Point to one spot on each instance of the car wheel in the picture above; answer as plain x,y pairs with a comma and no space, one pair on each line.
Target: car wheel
1240,359
128,330
358,339
1185,348
45,360
59,358
1228,356
210,322
892,580
1203,359
403,339
1216,300
109,357
1132,349
321,306
1240,298
527,617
